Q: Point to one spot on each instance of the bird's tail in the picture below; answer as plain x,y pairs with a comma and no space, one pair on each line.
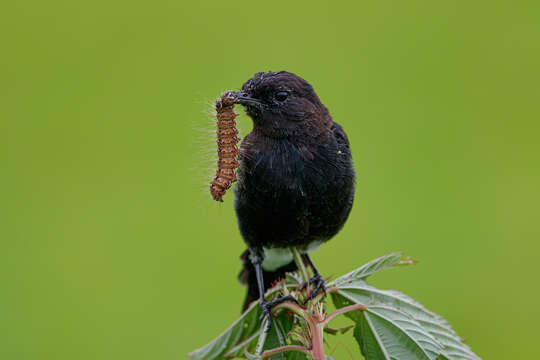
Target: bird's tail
247,277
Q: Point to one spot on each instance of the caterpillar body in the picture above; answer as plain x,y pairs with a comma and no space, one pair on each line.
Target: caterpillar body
227,138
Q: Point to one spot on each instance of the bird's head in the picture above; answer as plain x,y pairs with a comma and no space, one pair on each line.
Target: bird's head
283,104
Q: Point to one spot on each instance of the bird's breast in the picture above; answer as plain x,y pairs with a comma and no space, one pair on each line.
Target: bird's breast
276,164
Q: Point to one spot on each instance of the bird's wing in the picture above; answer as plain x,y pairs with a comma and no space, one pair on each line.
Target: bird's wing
340,135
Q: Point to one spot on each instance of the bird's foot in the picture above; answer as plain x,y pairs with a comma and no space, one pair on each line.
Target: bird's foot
318,285
267,307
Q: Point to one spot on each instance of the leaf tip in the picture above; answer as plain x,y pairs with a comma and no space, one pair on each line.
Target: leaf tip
407,260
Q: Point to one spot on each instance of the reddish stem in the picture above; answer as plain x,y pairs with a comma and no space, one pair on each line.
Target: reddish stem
314,326
344,310
289,305
317,342
268,353
332,290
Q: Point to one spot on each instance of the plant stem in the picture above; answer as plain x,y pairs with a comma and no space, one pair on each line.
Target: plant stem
344,310
300,263
268,353
289,305
315,327
314,323
262,339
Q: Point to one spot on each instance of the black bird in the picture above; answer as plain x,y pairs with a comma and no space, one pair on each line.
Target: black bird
295,180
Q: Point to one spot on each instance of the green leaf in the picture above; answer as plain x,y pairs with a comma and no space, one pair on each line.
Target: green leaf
293,279
372,267
369,343
442,357
277,336
387,333
390,325
295,355
241,338
359,292
242,332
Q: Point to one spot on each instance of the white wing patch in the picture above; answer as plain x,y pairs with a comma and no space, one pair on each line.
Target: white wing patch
274,258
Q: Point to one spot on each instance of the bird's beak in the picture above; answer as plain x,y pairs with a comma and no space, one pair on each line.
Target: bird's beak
245,98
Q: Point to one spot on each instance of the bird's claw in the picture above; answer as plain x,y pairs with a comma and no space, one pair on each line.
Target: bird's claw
318,281
266,314
267,307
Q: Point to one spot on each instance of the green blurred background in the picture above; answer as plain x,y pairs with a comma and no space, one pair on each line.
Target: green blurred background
110,245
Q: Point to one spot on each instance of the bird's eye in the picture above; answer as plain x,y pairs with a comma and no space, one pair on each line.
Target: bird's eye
281,95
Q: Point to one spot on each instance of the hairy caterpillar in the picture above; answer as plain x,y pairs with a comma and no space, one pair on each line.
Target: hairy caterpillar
226,141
